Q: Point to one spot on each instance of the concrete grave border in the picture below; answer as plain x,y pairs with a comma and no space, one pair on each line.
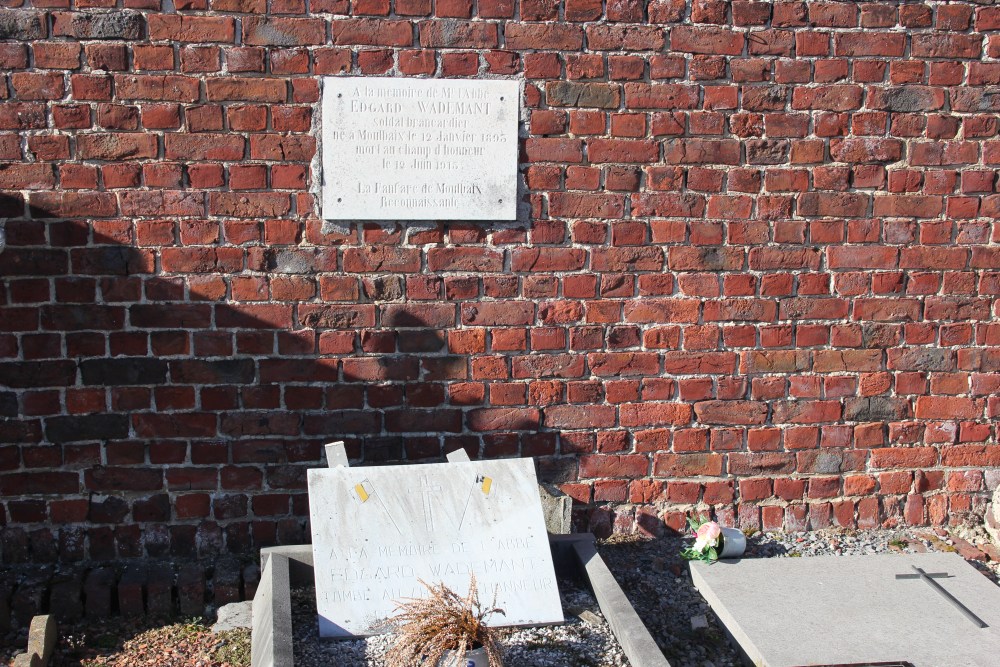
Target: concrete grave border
573,555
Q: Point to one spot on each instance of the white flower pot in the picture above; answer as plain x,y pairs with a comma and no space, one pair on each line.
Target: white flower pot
734,543
473,658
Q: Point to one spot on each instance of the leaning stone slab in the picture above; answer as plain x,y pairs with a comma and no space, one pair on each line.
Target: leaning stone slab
378,531
828,610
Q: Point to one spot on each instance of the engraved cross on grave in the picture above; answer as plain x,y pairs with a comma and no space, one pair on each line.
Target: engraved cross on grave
377,530
428,490
929,578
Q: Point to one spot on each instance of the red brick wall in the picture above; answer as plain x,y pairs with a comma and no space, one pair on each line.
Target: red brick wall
761,270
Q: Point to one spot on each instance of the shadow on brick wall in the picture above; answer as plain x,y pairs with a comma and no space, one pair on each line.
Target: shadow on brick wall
146,413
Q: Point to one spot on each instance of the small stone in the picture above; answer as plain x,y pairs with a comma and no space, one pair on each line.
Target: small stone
233,616
699,622
589,617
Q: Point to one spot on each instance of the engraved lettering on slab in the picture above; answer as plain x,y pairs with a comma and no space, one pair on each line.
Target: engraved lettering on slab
377,530
419,149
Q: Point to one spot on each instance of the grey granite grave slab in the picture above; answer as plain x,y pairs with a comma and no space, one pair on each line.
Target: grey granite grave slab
419,149
377,531
829,610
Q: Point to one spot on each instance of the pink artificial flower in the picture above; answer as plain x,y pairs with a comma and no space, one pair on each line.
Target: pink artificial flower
707,536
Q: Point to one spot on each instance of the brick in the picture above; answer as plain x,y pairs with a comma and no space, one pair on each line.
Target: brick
631,38
731,412
123,371
945,46
828,98
497,314
26,176
503,419
246,89
126,25
660,96
910,457
579,417
371,32
543,36
99,590
654,414
450,33
907,98
203,147
194,29
464,259
619,150
37,85
707,40
157,87
22,25
821,204
594,95
281,31
280,147
162,202
947,407
702,151
687,465
866,150
249,205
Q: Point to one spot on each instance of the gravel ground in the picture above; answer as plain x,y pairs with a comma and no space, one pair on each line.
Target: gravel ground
585,640
120,643
652,573
658,583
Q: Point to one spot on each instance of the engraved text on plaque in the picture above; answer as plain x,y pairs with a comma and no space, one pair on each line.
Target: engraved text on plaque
419,149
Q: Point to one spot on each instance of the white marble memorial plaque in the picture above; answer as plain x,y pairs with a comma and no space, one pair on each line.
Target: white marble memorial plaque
419,149
377,530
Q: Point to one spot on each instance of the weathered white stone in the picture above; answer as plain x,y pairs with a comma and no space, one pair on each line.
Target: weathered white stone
377,530
457,456
828,610
992,517
42,636
336,454
557,508
419,149
234,616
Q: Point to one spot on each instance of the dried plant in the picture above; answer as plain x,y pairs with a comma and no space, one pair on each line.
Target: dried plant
427,628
